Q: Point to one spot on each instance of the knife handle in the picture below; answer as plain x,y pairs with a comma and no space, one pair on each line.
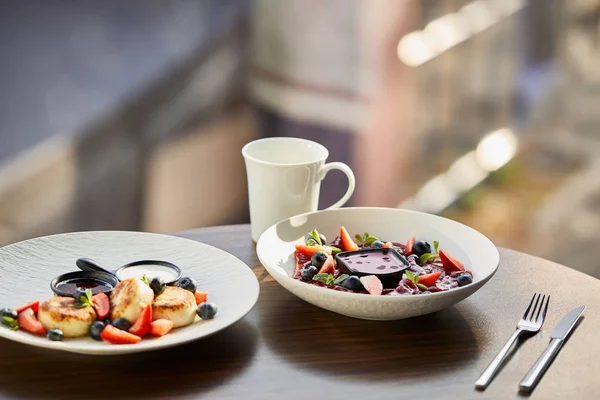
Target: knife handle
536,372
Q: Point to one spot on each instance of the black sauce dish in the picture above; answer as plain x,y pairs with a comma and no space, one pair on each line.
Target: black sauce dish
98,282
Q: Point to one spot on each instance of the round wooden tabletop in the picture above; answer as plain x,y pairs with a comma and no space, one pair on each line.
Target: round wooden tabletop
287,348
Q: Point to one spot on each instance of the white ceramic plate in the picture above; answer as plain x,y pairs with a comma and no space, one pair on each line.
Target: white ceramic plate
26,269
275,250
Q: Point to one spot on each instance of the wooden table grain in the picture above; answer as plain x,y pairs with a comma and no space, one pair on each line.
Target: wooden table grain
286,348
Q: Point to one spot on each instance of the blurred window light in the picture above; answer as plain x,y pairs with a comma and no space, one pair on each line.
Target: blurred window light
437,194
414,50
479,15
441,34
496,149
447,31
507,7
466,173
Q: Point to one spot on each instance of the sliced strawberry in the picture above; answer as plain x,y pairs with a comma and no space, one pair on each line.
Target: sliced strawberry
117,336
309,251
34,305
101,305
409,246
328,266
201,297
161,327
347,242
429,279
29,322
372,284
450,263
142,325
388,245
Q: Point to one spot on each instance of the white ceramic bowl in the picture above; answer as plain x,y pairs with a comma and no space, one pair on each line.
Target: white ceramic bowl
275,249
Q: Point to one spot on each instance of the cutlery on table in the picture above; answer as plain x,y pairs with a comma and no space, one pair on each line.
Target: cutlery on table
559,334
531,322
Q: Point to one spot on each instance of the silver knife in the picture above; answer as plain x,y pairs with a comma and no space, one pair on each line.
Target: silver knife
559,334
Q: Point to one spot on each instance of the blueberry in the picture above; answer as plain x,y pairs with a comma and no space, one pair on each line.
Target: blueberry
464,279
414,259
96,329
323,238
9,312
187,284
352,283
318,259
421,247
79,293
307,273
122,324
55,335
206,310
157,285
378,244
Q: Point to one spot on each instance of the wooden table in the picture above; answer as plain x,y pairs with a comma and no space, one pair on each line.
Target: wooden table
286,348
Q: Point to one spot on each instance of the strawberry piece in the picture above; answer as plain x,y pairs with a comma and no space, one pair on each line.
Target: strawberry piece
450,263
388,245
429,279
372,284
328,266
34,305
347,242
161,327
29,322
201,297
118,336
409,246
309,251
142,325
101,305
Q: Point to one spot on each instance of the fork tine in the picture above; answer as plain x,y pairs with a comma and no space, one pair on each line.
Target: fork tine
529,306
530,318
545,308
539,310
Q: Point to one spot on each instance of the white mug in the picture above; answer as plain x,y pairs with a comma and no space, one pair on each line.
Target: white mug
284,179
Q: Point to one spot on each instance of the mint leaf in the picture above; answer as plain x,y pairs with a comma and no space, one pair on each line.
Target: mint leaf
358,238
421,286
370,239
335,250
311,242
427,257
315,236
145,279
414,278
85,301
10,323
436,246
327,279
341,279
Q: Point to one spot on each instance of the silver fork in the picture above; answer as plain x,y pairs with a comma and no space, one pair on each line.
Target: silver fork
532,322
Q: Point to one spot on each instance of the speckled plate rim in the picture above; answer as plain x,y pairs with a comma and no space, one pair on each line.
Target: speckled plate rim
245,293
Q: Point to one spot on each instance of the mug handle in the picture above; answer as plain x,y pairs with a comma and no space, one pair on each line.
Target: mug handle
351,181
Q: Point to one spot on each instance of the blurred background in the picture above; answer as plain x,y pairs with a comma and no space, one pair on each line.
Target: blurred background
132,114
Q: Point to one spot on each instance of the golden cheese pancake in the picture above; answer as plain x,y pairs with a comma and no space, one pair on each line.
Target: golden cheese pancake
175,304
61,313
129,298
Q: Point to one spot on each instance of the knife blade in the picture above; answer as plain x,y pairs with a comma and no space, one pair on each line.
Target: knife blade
558,336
